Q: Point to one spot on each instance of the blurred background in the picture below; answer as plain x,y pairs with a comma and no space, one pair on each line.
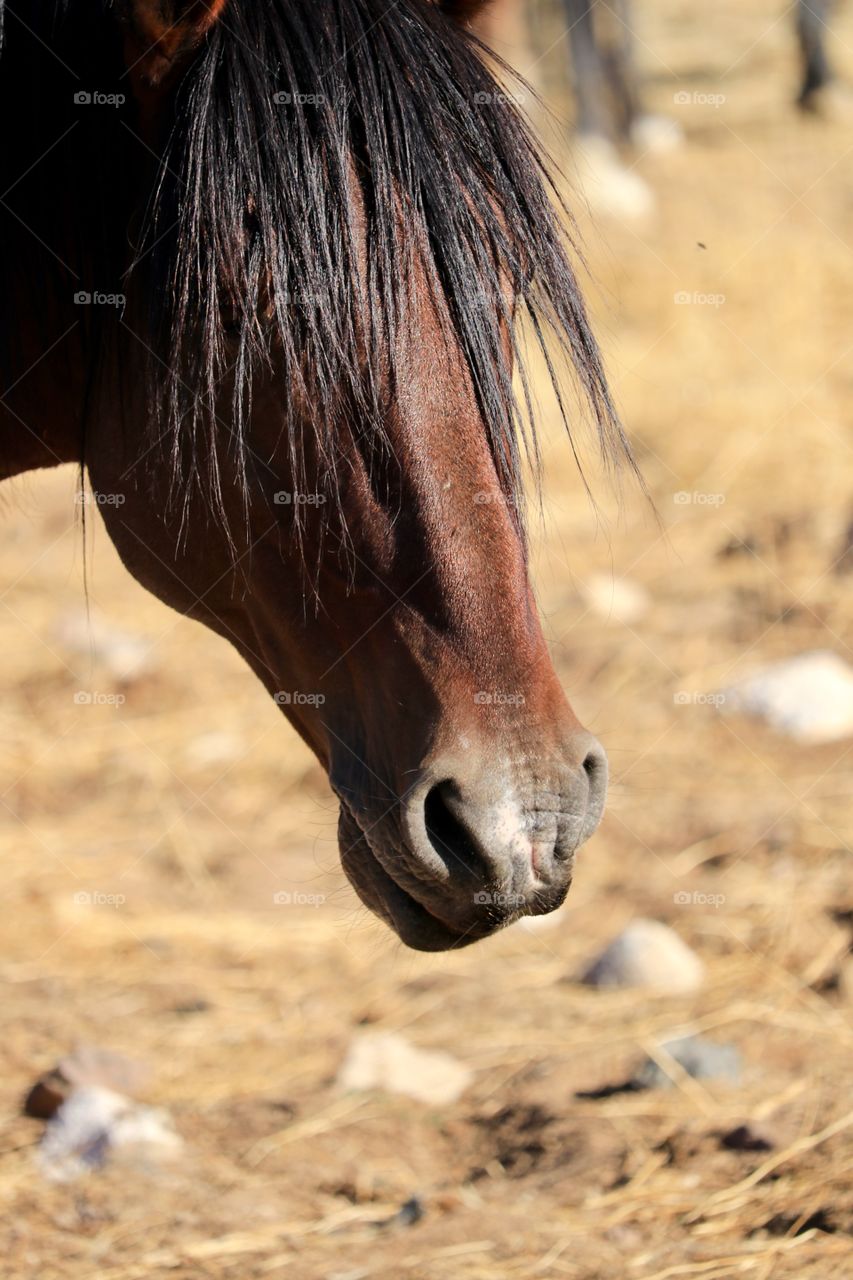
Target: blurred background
171,886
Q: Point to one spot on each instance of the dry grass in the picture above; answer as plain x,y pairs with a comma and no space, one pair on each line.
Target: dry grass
196,804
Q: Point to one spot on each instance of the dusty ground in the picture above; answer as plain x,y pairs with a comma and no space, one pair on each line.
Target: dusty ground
195,804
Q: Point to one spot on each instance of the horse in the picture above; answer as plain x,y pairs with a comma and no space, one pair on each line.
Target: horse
267,270
602,49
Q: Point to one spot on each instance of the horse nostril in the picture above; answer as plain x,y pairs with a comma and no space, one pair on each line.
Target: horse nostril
448,835
595,768
595,760
591,763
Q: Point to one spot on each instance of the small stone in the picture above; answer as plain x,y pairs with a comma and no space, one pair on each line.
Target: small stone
87,1065
701,1059
385,1060
408,1215
93,1124
809,698
647,954
747,1137
615,599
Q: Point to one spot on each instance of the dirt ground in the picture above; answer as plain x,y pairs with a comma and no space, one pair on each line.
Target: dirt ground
143,843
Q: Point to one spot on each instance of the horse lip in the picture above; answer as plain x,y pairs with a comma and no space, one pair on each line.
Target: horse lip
430,932
413,922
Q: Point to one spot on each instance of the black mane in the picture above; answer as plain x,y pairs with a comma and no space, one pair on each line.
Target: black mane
300,123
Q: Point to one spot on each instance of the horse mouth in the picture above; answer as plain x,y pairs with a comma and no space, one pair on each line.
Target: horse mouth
414,924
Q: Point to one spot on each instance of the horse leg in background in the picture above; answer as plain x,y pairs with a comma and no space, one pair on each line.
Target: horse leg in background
817,76
634,124
811,22
617,41
608,185
594,111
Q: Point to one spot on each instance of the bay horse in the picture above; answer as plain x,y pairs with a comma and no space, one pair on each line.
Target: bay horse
262,270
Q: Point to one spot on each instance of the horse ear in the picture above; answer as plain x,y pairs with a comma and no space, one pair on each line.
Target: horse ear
463,11
161,33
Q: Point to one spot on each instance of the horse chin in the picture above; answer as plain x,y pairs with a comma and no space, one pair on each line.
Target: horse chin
414,924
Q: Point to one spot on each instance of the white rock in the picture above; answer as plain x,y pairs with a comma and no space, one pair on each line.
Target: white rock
615,599
93,1124
92,637
384,1060
647,954
809,698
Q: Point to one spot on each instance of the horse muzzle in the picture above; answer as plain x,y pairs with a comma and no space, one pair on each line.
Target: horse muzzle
466,851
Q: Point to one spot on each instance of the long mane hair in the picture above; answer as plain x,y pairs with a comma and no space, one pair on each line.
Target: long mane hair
322,155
